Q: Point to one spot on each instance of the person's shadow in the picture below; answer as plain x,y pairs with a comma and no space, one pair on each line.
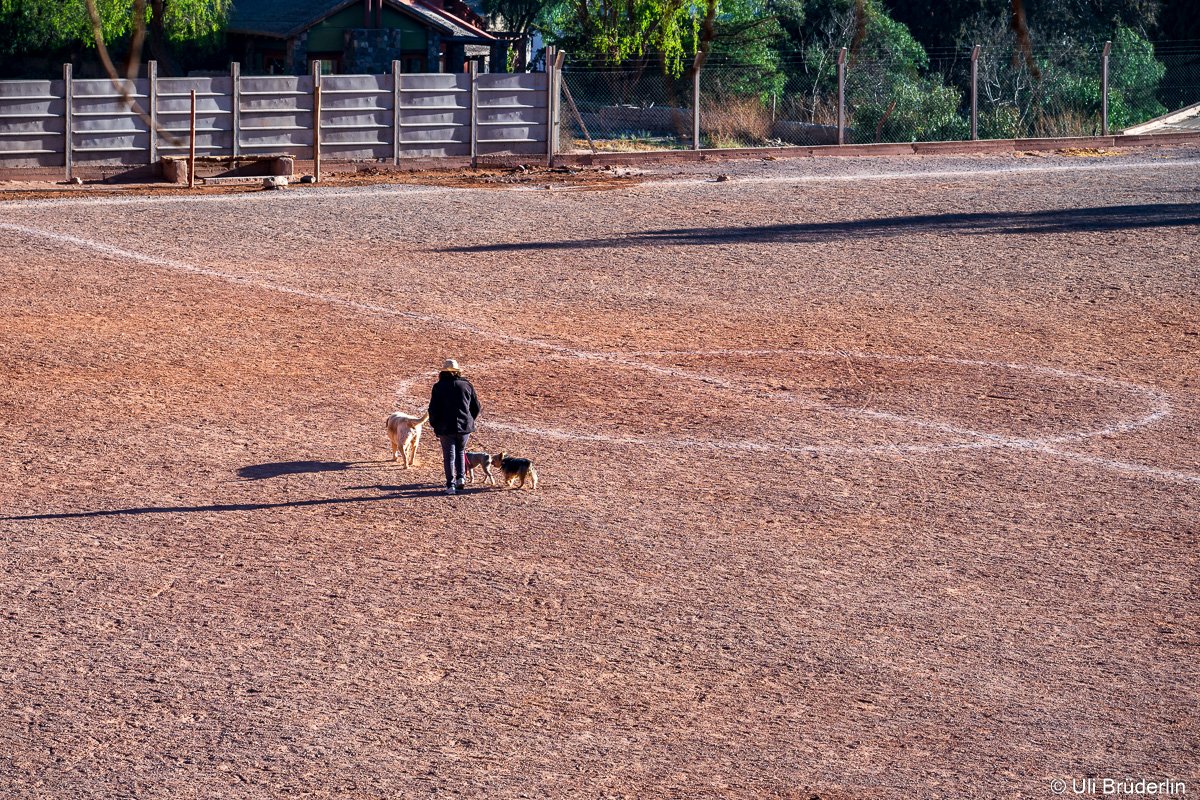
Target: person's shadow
406,491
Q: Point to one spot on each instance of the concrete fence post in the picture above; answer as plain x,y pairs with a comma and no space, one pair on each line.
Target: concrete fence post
975,93
696,66
560,56
68,122
1104,88
235,98
473,75
396,141
192,143
841,98
316,120
152,110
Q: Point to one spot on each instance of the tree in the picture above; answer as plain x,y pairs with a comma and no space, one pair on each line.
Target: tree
37,25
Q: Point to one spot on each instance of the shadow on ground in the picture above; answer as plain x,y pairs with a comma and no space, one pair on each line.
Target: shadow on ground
407,491
1073,220
257,472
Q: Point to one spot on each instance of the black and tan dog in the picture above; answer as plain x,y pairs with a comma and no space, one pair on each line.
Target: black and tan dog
513,468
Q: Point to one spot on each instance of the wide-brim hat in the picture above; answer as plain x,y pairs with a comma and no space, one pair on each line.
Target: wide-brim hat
450,365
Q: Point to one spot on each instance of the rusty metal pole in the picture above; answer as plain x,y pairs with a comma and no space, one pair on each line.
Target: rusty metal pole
192,144
841,79
1104,88
975,93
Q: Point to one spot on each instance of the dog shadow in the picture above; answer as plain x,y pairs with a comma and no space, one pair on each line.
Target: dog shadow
275,469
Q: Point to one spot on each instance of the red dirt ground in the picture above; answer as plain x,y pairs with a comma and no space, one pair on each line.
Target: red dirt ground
875,479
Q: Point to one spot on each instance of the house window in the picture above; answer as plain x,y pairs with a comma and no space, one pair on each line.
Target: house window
329,64
412,63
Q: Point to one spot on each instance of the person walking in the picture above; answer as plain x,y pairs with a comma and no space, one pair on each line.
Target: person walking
453,409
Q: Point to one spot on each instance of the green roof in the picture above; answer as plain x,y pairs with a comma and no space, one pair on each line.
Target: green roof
283,19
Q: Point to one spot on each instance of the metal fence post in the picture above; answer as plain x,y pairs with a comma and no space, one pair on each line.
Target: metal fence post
235,92
1104,88
473,74
696,66
395,112
316,120
975,93
560,56
152,111
551,97
68,121
841,79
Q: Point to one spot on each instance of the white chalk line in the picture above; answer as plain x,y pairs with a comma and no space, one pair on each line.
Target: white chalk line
1160,408
1013,170
400,191
981,439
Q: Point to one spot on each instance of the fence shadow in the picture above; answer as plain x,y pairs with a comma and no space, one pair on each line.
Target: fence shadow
1078,220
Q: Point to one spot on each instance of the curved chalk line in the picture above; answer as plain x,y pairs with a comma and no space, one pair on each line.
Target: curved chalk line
1158,400
981,439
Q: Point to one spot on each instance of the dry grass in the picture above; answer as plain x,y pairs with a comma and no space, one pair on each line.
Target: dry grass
735,121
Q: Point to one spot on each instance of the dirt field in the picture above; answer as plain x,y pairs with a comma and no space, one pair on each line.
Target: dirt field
866,479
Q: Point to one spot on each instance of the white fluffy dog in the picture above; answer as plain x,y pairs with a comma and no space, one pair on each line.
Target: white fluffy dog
404,432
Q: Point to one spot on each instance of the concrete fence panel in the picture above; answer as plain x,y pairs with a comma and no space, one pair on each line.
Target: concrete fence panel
277,115
32,123
363,117
104,130
435,115
214,115
356,117
512,114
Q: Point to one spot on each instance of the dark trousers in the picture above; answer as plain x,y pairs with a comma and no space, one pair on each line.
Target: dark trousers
454,452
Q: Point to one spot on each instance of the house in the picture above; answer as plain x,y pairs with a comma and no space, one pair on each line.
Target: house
361,36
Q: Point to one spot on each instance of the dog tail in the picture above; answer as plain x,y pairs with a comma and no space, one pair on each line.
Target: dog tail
423,419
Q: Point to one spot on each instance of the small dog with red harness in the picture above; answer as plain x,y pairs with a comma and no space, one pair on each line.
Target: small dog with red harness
479,461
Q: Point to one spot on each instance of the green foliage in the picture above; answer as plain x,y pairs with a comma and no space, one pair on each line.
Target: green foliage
1134,77
1000,122
40,24
911,110
785,52
626,30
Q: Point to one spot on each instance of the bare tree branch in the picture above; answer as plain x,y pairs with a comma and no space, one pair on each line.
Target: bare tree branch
132,64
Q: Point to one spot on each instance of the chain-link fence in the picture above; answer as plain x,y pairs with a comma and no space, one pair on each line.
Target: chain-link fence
1179,86
635,106
1019,93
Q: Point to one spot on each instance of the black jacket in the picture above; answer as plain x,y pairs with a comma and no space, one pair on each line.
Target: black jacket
453,405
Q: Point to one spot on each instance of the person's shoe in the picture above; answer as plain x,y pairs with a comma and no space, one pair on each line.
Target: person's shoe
460,486
450,489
